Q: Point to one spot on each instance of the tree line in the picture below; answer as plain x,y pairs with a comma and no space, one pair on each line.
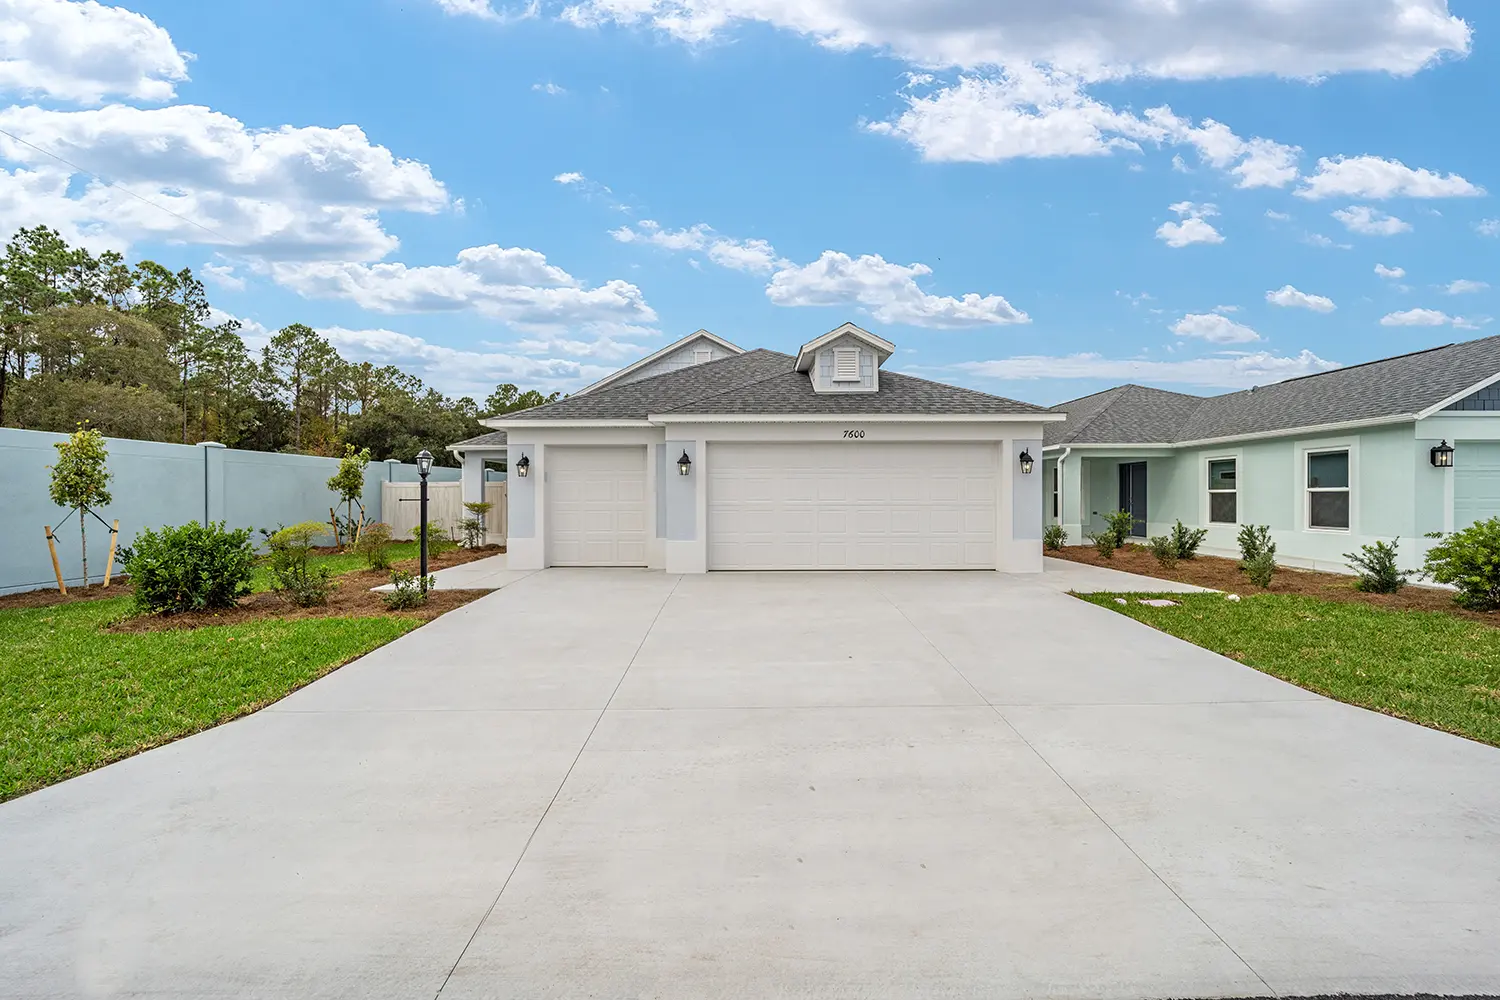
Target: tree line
131,351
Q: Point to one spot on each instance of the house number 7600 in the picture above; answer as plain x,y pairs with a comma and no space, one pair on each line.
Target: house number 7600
854,434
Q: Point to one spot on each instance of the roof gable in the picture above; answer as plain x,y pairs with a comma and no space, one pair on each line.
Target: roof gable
641,367
807,356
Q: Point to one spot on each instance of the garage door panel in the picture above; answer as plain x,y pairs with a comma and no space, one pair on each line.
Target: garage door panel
596,509
861,505
1476,482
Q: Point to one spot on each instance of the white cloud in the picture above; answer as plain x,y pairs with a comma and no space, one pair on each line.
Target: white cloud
486,11
1224,371
1214,328
85,51
511,284
464,371
254,334
888,291
1390,272
1377,178
1319,240
549,88
1463,286
1276,216
1288,297
755,256
1368,221
287,192
223,275
570,177
1181,234
1298,38
1416,317
1487,227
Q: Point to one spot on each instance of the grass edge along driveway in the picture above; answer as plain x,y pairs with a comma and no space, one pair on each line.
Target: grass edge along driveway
74,697
1434,669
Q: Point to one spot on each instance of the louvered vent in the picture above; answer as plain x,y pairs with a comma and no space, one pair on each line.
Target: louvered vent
702,357
846,364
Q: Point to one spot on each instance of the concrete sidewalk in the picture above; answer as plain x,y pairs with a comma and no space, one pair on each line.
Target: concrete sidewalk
624,784
489,573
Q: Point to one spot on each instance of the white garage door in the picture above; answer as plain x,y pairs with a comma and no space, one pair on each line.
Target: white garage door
596,506
1476,482
851,506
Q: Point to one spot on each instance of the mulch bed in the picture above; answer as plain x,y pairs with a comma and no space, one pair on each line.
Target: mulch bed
1223,574
351,598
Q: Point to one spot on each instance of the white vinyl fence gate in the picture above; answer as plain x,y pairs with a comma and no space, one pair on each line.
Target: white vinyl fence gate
445,506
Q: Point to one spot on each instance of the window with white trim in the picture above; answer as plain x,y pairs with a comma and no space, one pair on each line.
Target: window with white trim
1223,491
1056,493
1328,489
846,364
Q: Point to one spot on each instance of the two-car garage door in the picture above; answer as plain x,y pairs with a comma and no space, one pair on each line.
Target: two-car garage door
853,505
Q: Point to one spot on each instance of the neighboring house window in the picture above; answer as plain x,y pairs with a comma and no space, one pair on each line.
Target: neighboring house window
1223,492
701,357
1056,498
1328,489
846,364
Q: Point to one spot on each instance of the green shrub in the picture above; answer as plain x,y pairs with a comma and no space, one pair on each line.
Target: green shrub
1262,568
1054,536
1164,548
1255,541
473,525
411,591
1119,524
439,540
193,567
293,573
1105,542
1469,560
374,545
1376,566
1185,540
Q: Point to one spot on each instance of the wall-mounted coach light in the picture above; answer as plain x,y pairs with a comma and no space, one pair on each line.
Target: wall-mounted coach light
1026,463
523,466
684,464
1442,456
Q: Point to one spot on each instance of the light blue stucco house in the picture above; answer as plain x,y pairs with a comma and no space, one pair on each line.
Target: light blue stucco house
1330,461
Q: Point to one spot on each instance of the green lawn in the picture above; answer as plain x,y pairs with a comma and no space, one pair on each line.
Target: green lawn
1435,669
73,697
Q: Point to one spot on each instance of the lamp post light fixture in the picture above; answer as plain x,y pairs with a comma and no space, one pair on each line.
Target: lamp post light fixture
1442,456
684,464
523,467
424,468
1027,464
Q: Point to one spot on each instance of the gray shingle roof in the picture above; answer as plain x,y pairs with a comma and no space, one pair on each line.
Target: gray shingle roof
764,382
1390,387
491,440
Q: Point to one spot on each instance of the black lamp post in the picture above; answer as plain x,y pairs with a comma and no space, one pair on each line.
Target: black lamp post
424,467
1442,456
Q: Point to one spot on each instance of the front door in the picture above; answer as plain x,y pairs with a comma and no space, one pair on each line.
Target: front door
1133,495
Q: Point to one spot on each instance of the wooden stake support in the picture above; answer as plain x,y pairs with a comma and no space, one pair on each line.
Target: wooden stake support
109,565
333,519
359,530
56,566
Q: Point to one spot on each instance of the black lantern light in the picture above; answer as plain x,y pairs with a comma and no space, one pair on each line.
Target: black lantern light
424,463
684,464
523,467
424,467
1026,463
1442,456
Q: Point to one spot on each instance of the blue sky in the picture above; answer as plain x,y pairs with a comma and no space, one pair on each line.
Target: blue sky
1034,202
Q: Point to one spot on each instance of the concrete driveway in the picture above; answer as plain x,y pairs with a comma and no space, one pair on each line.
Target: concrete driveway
623,784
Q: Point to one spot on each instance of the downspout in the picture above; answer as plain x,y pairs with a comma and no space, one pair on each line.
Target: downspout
1062,493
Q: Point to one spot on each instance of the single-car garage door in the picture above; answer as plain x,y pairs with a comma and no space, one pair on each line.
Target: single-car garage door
852,505
1476,482
596,506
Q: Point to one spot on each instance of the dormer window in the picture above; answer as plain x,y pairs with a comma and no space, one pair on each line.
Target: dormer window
846,364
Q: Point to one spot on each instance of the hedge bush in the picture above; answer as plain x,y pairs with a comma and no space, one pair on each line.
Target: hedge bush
193,567
1469,560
